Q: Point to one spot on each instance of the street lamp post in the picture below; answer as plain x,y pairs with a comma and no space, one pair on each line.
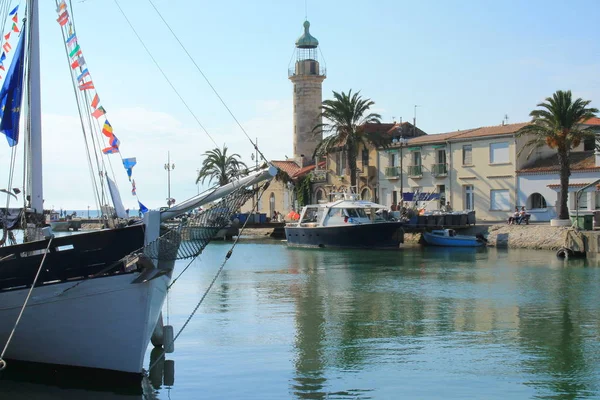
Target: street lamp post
402,141
169,167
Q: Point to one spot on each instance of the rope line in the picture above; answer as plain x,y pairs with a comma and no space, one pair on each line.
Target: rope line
2,362
164,74
254,145
217,274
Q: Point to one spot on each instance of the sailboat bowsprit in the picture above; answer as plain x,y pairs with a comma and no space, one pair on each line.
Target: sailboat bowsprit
91,299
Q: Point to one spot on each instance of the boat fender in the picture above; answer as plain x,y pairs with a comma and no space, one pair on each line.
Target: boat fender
2,364
157,338
564,252
157,363
169,345
169,372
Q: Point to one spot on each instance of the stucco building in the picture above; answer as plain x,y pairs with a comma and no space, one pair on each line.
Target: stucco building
483,169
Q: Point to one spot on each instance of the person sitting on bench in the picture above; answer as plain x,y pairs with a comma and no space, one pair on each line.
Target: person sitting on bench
515,218
523,216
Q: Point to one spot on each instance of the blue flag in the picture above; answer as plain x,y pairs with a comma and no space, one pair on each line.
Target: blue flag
11,95
143,208
129,163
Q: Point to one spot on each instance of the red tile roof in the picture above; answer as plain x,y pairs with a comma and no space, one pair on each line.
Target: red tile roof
435,138
378,128
289,167
593,121
405,128
581,160
303,171
486,131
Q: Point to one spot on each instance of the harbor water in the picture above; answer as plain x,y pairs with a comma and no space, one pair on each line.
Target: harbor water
417,323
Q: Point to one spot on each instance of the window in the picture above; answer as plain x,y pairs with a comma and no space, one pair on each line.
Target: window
441,156
340,163
583,200
394,159
500,200
536,200
271,205
416,158
351,212
597,193
499,153
365,157
467,154
469,197
310,215
589,144
394,197
441,189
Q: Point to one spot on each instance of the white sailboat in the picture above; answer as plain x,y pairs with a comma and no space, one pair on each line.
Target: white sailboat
92,299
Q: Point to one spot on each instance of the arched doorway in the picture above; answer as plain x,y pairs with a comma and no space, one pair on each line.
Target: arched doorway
319,195
536,201
271,205
365,194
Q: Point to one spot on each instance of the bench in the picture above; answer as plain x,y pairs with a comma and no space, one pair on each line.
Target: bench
518,220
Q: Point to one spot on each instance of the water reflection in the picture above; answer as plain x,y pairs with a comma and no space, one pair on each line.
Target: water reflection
161,372
359,310
21,380
35,381
560,338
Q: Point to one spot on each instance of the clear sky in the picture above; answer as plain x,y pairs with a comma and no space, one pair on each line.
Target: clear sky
465,63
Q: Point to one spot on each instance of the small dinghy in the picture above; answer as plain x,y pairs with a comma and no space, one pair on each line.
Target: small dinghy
449,238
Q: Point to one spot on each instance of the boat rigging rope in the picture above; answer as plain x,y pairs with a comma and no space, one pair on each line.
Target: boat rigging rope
217,274
164,74
254,145
2,362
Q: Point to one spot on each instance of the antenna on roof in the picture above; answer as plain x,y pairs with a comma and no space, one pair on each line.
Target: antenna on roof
505,120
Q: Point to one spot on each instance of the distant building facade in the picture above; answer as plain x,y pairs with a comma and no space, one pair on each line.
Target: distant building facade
484,169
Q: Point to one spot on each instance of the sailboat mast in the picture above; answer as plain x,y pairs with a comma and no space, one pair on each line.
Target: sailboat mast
35,112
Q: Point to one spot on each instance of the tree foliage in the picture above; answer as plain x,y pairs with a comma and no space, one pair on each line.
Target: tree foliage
345,117
558,125
220,166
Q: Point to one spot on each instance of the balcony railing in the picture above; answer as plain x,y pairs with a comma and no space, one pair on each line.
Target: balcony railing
318,175
439,169
392,172
415,170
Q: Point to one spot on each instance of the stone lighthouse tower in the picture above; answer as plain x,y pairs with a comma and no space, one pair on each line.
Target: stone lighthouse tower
307,76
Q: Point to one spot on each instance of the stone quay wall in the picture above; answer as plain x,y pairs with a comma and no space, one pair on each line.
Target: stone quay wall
532,236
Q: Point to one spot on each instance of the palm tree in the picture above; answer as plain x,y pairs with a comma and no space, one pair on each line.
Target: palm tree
220,166
346,116
558,125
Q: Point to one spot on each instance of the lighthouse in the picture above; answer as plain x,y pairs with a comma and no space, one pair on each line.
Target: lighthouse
307,77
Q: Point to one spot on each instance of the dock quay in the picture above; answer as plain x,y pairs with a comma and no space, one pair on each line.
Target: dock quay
583,243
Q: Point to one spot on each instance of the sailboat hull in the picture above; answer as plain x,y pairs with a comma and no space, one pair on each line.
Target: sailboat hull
102,323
